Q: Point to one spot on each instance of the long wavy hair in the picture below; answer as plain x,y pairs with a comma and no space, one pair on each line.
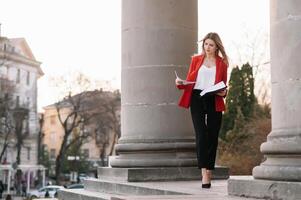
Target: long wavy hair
220,47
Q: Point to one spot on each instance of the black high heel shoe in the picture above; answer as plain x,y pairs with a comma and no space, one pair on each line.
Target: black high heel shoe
207,185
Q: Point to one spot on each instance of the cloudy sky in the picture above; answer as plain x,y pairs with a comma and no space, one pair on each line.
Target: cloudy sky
85,35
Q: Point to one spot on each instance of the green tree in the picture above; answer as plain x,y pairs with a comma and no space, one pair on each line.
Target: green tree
44,157
232,101
236,135
247,99
240,97
79,163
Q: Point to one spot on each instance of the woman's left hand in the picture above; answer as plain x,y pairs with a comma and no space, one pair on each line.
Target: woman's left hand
222,93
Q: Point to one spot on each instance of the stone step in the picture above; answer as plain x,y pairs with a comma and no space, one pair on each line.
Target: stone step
124,188
246,185
82,194
158,174
193,188
96,189
166,197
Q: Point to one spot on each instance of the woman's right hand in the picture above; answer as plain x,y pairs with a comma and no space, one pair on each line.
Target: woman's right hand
179,81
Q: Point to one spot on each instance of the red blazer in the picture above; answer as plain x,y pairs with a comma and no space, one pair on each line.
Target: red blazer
221,75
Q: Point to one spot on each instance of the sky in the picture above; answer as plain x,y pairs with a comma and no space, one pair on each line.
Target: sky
85,35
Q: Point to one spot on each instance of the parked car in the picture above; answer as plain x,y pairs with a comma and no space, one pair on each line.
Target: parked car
75,186
50,189
82,177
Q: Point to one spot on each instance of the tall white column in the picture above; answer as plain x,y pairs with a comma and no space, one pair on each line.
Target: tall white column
279,176
43,174
28,182
283,147
8,181
158,37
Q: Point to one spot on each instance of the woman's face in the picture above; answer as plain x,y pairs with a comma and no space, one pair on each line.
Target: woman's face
209,47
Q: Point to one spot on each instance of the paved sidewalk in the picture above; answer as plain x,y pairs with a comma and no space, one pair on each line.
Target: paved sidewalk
24,198
14,198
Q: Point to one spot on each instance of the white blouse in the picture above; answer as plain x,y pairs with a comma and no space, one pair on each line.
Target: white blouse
205,78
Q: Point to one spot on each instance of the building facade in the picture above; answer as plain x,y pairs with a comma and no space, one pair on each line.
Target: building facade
93,147
18,64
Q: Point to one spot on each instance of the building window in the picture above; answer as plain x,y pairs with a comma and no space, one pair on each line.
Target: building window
28,153
52,120
7,71
52,137
17,101
28,78
52,154
6,96
18,76
86,153
28,102
26,125
3,69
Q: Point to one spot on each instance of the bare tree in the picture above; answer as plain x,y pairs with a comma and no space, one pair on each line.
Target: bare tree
253,48
20,115
3,50
113,116
73,113
14,118
6,120
84,113
107,120
40,140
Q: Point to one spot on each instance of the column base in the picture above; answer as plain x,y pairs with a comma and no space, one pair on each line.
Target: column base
277,173
158,174
247,186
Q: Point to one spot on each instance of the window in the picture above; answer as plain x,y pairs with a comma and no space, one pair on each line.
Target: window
28,78
52,119
52,154
26,125
52,137
18,76
28,153
43,190
3,68
17,101
86,153
28,102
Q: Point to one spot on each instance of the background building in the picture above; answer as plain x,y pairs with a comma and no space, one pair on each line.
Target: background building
100,128
20,71
18,64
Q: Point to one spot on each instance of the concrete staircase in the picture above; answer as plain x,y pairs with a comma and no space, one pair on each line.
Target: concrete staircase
104,190
114,184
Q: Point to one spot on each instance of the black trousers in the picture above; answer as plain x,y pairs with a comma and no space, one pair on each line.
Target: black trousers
207,123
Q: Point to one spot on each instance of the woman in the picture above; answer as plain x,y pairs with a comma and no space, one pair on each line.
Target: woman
206,69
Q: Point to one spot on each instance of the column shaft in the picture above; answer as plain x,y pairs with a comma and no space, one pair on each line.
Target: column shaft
283,147
158,37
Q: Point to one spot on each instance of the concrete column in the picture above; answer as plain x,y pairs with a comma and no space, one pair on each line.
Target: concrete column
8,181
283,147
279,176
158,37
43,179
28,182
